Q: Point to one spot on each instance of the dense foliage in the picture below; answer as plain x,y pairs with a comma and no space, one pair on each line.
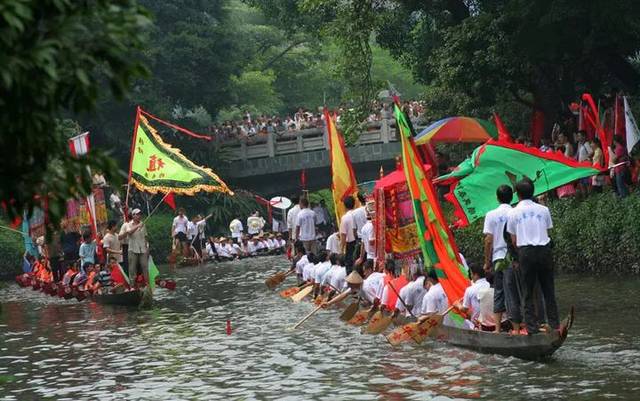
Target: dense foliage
485,55
596,235
56,55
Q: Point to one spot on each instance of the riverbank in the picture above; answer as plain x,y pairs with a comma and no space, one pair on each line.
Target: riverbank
597,235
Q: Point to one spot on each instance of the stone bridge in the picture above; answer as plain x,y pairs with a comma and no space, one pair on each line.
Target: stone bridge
271,165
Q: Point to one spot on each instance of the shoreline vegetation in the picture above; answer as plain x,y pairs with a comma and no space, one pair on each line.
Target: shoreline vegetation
595,235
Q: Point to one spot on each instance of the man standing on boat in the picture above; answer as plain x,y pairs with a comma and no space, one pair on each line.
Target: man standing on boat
348,233
179,231
528,225
305,227
505,293
138,247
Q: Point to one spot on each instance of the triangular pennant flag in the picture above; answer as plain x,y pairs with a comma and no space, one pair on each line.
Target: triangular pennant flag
170,200
153,273
503,133
158,167
343,180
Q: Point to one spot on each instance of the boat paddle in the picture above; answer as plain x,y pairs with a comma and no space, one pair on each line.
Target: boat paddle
302,293
362,316
416,331
307,317
275,280
350,311
381,320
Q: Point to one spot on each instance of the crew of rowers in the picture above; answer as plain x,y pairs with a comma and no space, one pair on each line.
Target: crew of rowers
77,281
95,266
407,292
517,260
222,249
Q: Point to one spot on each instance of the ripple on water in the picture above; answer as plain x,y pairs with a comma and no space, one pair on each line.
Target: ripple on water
178,350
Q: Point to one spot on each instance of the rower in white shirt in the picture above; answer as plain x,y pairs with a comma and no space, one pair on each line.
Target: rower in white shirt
373,284
412,295
435,300
309,269
471,300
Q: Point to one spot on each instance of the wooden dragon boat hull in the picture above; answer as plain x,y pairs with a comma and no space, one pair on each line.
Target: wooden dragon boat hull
129,298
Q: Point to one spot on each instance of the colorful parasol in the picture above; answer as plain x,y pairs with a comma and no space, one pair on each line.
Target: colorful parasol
458,129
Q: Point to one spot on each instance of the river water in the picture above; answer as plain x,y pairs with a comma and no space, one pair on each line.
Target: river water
53,349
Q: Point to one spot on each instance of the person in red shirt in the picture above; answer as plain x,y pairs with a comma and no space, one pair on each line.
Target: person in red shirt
621,170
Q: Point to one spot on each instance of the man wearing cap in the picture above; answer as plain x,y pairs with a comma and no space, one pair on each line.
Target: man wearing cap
138,247
354,283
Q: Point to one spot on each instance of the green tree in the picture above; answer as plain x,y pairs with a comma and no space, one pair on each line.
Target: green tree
55,56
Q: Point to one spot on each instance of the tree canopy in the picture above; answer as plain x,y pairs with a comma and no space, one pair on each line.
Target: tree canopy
56,55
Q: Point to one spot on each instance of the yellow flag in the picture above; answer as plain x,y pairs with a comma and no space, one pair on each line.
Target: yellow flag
342,177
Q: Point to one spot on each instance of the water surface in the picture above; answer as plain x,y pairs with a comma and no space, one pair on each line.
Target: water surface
54,349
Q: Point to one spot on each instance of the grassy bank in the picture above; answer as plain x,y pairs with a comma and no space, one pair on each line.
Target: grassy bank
599,234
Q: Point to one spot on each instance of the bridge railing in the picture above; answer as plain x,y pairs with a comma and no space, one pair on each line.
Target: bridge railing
306,140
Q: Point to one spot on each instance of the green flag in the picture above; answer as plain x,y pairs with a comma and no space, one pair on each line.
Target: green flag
475,180
153,273
158,167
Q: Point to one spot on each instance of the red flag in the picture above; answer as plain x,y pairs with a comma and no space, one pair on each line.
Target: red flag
503,133
537,127
170,200
303,179
592,115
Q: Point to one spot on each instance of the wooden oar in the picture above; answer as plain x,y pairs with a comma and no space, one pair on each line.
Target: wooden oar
350,311
275,280
307,317
302,293
380,321
424,328
416,331
287,293
362,316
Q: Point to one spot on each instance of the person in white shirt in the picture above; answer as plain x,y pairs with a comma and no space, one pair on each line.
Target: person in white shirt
309,268
435,301
292,218
470,304
321,271
333,243
505,297
348,234
255,223
412,295
367,236
236,229
179,231
528,225
373,284
336,275
360,215
321,221
306,226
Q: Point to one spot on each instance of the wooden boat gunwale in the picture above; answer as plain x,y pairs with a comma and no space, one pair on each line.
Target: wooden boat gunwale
128,298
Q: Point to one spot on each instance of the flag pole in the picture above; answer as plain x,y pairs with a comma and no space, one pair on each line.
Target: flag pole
133,149
157,206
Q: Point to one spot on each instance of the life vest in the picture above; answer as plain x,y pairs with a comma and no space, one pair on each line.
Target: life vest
90,285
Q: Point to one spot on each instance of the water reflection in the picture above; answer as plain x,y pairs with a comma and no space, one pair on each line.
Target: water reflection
64,350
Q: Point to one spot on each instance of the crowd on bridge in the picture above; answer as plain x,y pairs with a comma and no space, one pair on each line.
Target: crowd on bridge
255,128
